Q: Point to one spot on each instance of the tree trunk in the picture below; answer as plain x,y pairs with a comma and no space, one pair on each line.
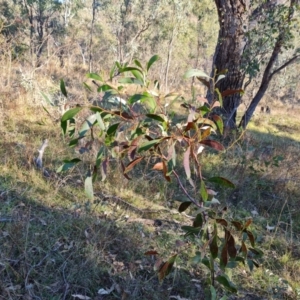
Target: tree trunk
233,16
269,71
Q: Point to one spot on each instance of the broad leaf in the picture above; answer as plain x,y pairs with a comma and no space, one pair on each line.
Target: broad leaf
88,187
221,181
138,63
112,129
156,117
186,162
213,293
224,280
152,60
166,268
219,122
184,206
213,246
146,146
132,164
231,92
203,191
68,164
251,238
224,256
213,144
94,76
63,88
198,222
195,72
70,113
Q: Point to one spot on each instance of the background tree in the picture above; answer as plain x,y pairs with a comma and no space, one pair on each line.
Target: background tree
251,36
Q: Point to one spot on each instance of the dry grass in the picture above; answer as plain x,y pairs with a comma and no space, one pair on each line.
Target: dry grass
55,243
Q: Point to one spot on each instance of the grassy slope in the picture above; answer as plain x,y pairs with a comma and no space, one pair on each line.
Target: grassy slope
55,244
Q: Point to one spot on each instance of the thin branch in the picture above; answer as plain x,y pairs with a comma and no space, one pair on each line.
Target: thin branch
185,191
285,65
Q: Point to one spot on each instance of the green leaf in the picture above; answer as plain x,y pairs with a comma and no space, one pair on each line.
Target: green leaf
219,122
63,88
94,76
195,72
156,117
206,262
138,63
86,86
104,88
220,99
100,121
70,113
47,100
213,293
64,126
130,80
213,246
152,60
138,75
146,146
203,191
198,222
224,280
112,129
221,181
184,206
88,187
190,230
68,164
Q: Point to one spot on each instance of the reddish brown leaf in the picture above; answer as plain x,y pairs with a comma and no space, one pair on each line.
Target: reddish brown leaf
133,163
166,268
205,133
151,252
224,256
244,249
158,166
165,171
222,222
104,166
186,162
158,264
123,114
184,206
123,169
248,223
231,246
237,225
204,81
213,144
190,125
251,237
231,92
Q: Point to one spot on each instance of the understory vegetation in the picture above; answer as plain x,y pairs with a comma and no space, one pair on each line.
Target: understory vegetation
56,243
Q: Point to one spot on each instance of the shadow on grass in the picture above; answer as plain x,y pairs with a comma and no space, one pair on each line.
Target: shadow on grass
54,253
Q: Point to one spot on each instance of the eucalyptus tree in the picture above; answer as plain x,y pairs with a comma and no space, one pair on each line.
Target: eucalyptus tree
42,17
252,37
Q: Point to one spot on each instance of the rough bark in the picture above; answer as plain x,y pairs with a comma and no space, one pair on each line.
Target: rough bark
233,16
269,70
